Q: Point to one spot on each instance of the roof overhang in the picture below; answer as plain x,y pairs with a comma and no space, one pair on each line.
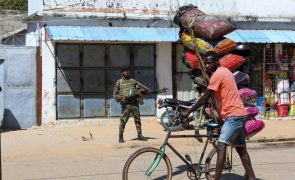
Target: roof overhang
141,34
96,33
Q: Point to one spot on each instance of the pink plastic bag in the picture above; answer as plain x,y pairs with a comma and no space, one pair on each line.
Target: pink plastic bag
247,95
252,111
241,78
253,127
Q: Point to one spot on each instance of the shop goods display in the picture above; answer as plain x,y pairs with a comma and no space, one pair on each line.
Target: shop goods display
241,78
253,127
283,110
292,110
247,95
220,45
283,74
292,94
231,61
261,111
284,98
283,85
270,98
261,101
292,98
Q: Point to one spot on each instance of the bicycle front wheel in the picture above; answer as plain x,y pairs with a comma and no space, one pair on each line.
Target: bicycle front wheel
233,168
138,165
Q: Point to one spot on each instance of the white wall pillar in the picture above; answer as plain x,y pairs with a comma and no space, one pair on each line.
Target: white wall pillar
164,71
48,80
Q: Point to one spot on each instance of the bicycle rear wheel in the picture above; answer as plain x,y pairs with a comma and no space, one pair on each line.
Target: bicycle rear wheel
233,168
139,162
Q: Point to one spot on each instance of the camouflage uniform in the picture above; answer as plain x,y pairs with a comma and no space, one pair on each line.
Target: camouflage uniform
129,107
199,114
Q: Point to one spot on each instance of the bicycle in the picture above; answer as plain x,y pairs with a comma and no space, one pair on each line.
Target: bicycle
153,163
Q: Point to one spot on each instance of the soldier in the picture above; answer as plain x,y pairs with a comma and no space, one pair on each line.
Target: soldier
123,93
199,114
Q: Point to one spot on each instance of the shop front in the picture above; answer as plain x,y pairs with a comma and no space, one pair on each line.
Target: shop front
88,61
270,63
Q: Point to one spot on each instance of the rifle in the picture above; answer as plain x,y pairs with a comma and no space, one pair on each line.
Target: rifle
140,92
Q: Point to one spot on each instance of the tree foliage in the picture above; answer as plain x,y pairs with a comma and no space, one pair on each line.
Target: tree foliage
14,5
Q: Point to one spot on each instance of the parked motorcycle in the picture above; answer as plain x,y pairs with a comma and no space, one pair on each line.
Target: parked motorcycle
173,108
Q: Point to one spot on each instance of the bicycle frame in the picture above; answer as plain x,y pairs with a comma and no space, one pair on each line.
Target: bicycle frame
157,159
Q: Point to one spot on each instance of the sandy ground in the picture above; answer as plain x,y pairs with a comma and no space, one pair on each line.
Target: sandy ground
64,138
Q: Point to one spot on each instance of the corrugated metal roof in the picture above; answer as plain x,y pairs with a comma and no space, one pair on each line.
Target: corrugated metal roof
139,34
262,36
94,33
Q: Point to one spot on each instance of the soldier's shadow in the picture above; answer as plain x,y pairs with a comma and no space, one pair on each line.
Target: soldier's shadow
135,139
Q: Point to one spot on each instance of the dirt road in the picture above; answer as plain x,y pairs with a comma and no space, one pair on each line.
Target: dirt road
57,151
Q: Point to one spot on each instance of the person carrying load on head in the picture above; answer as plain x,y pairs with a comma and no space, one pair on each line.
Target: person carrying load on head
233,113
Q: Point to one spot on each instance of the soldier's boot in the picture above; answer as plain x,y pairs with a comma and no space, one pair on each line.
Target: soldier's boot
141,137
197,136
121,139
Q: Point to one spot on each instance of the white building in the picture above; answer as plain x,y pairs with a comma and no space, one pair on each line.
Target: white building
83,45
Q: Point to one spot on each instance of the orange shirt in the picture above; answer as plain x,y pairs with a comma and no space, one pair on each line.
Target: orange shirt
226,93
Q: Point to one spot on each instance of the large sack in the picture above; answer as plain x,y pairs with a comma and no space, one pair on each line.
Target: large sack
189,17
241,78
190,59
253,127
181,11
220,45
247,95
212,27
203,46
231,61
223,45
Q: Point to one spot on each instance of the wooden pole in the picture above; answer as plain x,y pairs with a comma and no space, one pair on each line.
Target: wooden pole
204,74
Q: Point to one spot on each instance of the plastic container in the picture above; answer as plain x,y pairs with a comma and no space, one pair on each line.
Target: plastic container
292,98
260,100
283,110
283,85
284,98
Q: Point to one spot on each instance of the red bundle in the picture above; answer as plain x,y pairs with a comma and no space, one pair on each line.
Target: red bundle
231,61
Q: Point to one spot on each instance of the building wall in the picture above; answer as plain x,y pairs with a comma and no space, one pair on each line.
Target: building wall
164,71
48,80
163,74
11,23
247,9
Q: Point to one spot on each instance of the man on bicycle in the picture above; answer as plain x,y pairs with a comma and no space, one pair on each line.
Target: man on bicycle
233,113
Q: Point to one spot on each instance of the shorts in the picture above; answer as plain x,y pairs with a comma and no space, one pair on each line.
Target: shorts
233,131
